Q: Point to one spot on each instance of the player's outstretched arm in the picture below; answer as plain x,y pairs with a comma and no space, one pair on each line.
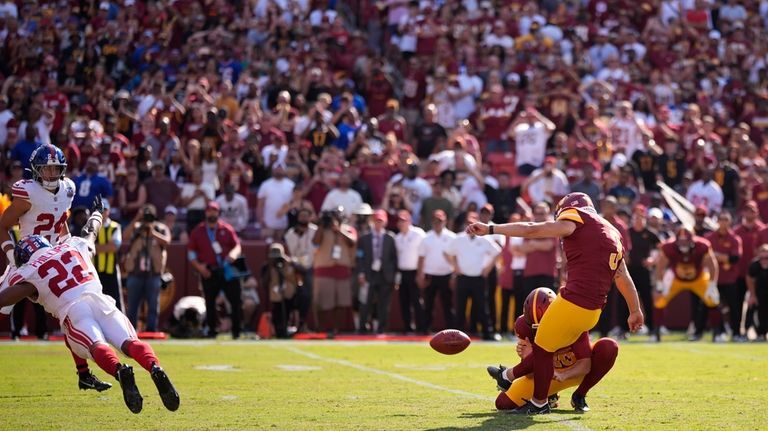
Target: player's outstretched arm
547,229
13,294
91,228
627,289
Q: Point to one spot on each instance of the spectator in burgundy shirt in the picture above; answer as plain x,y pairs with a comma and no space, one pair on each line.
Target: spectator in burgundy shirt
749,231
728,252
495,115
213,245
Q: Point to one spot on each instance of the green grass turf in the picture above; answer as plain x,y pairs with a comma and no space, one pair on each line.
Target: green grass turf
375,386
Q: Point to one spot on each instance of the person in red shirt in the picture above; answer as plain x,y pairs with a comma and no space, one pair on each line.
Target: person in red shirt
378,92
748,231
495,115
728,252
414,91
213,246
581,364
58,102
392,121
595,256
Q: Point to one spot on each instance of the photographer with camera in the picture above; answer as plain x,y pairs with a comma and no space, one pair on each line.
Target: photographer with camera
334,260
282,279
144,264
213,246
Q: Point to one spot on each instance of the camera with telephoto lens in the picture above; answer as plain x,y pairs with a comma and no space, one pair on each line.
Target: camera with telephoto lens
328,216
148,217
326,219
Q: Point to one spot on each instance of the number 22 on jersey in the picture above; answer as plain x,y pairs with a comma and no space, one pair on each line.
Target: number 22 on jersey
66,272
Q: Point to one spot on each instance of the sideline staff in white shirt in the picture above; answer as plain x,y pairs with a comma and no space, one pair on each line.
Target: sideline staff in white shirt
473,258
407,243
434,270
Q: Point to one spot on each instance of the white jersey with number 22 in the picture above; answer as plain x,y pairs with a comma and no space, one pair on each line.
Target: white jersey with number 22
62,275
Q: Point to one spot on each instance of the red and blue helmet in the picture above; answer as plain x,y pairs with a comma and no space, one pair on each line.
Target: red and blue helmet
28,246
47,155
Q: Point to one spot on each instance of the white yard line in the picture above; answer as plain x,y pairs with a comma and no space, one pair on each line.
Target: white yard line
569,423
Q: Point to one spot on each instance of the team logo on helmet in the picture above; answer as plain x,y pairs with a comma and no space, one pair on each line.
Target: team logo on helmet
28,246
574,200
47,155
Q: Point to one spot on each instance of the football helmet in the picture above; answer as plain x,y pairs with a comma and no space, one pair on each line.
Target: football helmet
684,239
44,156
573,200
536,305
28,246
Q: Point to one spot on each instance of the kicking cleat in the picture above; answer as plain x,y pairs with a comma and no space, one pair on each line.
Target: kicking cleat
553,401
531,409
579,403
131,393
87,381
165,388
497,373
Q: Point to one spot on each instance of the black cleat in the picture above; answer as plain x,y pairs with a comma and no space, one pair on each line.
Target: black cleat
530,409
554,401
579,403
165,388
496,373
131,393
87,381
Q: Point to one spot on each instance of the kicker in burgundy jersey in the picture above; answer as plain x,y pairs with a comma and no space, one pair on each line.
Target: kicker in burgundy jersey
594,252
687,267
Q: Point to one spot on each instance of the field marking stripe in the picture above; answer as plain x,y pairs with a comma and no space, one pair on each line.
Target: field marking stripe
569,423
389,374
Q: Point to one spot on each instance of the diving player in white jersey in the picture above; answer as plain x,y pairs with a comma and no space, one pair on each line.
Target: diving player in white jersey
40,206
63,279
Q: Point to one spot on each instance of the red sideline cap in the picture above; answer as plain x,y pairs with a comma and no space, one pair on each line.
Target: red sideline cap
213,205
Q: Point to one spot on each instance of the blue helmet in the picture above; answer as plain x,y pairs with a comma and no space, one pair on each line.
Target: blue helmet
27,247
47,155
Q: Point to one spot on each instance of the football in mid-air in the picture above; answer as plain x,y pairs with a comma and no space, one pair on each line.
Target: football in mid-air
450,341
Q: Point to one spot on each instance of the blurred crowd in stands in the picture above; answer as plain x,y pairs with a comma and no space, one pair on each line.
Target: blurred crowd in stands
363,135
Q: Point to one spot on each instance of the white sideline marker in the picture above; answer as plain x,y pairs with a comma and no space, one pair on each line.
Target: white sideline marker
569,423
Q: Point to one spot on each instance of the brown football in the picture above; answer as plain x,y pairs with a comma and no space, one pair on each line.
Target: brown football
450,341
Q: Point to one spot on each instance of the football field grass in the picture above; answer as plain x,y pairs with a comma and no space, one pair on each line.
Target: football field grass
335,385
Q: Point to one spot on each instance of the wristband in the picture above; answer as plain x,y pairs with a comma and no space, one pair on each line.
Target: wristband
490,229
8,242
659,286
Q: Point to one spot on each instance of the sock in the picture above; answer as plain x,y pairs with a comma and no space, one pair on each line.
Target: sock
543,370
540,404
80,363
658,317
504,375
604,354
105,358
141,352
524,368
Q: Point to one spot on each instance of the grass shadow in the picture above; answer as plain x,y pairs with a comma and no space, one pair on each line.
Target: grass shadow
496,420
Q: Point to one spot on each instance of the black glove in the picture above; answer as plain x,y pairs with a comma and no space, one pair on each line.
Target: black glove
98,205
